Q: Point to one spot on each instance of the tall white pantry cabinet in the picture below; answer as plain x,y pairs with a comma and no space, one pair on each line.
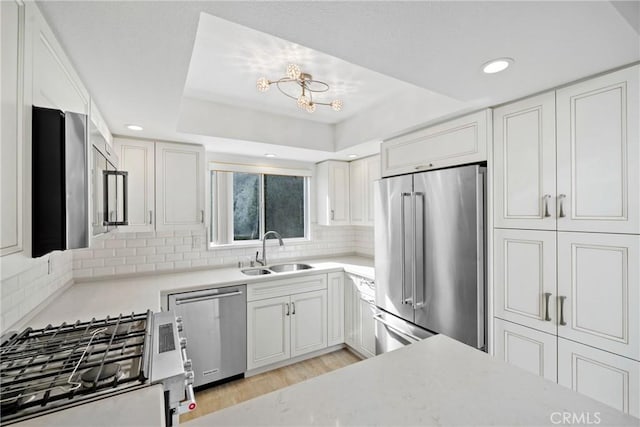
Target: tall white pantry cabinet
567,236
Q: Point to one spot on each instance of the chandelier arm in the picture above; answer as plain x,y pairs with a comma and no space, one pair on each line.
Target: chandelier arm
285,80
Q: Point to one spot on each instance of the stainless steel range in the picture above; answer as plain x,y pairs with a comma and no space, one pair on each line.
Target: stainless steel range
50,369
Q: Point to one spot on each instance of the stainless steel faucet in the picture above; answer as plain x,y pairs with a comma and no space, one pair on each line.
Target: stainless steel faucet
263,261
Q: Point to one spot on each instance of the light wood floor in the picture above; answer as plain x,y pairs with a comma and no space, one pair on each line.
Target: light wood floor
231,393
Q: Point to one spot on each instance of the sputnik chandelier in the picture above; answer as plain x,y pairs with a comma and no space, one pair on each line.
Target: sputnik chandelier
305,82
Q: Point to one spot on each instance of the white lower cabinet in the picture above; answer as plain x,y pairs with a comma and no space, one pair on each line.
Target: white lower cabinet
360,332
603,376
335,309
526,348
308,322
268,331
285,318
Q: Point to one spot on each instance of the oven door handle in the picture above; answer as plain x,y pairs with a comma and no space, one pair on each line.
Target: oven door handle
189,404
412,338
206,297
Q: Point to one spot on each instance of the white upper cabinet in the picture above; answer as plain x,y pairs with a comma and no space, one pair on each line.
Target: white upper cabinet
456,142
599,291
55,83
180,185
525,163
332,188
598,154
12,126
98,121
362,175
525,278
137,159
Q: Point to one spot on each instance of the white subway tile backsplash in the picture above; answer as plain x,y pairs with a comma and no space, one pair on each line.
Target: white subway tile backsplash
149,250
165,250
114,244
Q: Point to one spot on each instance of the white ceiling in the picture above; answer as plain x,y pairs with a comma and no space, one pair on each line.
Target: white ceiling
228,58
134,56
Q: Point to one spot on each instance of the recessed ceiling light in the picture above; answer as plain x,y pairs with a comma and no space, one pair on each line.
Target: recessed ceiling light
352,156
134,127
497,65
270,155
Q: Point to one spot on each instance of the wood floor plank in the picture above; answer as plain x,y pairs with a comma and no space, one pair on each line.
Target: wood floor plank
231,393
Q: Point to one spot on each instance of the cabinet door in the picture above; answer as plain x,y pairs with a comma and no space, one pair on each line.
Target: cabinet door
525,163
11,137
180,183
357,191
349,312
308,322
367,335
137,158
524,272
373,174
610,379
599,275
335,308
456,142
598,154
526,348
268,331
332,190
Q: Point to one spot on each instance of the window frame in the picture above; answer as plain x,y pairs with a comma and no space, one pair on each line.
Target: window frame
221,194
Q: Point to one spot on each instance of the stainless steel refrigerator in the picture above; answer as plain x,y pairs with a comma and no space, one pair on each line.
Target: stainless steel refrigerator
430,256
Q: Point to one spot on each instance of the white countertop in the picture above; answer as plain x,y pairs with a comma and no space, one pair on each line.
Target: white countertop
437,381
137,408
86,300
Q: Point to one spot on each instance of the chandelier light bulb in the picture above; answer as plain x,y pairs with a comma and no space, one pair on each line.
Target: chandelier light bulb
336,105
303,101
262,84
311,108
293,71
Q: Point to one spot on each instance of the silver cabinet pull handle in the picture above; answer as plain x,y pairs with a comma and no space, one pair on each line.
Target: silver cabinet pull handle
287,304
207,297
293,308
546,198
547,295
150,217
333,215
562,322
202,216
561,198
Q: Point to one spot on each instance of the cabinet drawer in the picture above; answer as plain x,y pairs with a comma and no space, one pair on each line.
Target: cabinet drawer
278,288
456,142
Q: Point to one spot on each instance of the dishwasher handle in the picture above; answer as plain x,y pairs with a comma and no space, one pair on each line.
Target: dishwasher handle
187,300
410,337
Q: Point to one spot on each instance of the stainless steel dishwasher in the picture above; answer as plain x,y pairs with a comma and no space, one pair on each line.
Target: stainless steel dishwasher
214,322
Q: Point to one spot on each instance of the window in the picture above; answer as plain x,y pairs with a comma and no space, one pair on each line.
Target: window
247,204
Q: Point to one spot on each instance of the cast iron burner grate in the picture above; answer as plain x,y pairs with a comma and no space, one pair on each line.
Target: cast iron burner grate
41,369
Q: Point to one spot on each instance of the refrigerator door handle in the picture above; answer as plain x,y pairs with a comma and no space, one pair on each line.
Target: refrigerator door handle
404,299
418,252
411,337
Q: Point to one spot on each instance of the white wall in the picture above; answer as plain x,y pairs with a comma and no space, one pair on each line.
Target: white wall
207,118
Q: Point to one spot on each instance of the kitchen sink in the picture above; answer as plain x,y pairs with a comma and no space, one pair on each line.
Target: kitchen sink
255,271
280,268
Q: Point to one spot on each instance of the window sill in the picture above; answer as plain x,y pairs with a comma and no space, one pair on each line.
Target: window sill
258,243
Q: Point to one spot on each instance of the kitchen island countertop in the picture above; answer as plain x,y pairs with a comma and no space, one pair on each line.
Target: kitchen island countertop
437,381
